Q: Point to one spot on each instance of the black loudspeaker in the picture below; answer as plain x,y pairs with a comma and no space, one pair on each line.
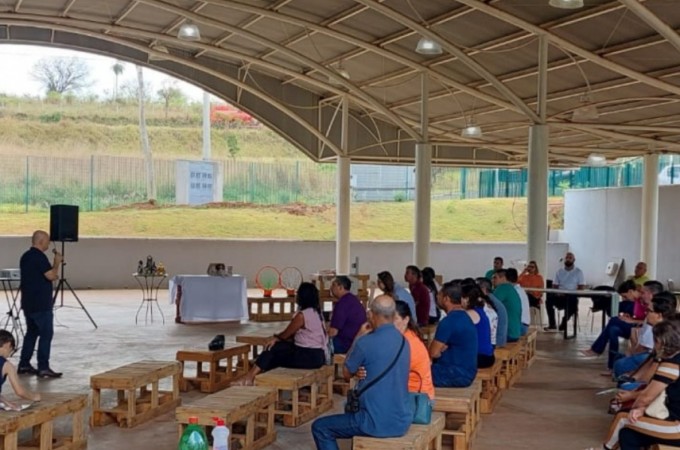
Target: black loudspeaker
64,223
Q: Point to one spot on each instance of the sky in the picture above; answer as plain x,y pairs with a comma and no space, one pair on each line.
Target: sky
21,58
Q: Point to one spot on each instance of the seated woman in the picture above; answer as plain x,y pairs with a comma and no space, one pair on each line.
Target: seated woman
635,429
420,375
531,278
474,305
302,345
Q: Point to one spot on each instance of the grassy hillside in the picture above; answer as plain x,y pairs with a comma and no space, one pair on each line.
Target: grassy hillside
452,220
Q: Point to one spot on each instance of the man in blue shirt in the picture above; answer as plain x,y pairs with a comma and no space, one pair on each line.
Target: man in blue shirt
454,348
37,275
384,407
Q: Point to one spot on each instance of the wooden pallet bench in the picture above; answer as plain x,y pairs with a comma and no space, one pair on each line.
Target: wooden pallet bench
271,309
510,370
135,403
340,385
419,437
248,412
528,355
39,418
462,409
491,391
223,367
256,341
303,393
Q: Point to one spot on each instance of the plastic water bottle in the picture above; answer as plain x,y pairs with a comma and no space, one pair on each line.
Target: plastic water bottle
194,437
220,434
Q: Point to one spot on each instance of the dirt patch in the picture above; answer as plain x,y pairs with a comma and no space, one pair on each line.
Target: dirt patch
296,209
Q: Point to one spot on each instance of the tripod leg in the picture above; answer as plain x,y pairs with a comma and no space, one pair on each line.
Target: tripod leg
65,281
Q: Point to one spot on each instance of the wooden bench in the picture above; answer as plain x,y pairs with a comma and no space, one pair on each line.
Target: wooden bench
256,341
303,393
248,412
40,418
491,392
462,409
528,355
419,437
510,370
135,404
224,366
340,385
271,309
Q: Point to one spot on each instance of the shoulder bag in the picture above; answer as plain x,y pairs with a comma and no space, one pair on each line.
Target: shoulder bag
420,404
352,405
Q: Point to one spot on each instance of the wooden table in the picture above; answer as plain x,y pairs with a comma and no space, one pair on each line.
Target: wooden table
224,366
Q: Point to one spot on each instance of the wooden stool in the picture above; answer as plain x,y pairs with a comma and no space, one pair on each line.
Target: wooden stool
510,371
278,309
462,409
219,376
133,408
491,392
40,417
256,342
419,437
248,412
529,350
310,391
340,386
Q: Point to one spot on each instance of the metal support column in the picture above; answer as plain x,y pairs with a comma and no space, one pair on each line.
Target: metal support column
650,214
342,242
421,240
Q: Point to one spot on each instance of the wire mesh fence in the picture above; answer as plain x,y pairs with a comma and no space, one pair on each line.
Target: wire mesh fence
100,182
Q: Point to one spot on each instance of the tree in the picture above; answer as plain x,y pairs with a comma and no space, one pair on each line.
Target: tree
118,69
144,139
169,93
232,145
58,74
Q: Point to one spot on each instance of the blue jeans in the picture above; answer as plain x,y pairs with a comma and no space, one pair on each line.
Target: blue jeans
629,363
451,376
339,347
327,430
523,329
610,335
38,325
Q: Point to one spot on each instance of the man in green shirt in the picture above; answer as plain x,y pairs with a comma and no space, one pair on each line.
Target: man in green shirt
507,294
497,265
640,276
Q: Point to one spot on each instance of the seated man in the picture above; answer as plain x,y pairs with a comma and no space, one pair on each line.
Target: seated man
501,312
454,347
507,294
497,264
640,275
348,315
384,409
569,278
420,293
513,277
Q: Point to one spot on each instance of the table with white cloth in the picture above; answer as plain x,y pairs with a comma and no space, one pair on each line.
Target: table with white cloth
204,298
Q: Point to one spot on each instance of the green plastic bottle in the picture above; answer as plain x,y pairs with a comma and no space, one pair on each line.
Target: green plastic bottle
193,437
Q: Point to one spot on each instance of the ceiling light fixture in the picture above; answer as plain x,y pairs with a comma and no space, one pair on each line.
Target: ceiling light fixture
340,70
428,47
471,130
587,112
160,49
566,4
189,31
596,160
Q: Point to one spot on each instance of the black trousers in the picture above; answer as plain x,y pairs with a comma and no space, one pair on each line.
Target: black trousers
287,354
534,302
484,361
630,439
560,301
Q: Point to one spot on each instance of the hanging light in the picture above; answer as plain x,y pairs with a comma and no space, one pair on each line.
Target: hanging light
587,112
189,31
340,71
596,160
566,4
471,130
428,47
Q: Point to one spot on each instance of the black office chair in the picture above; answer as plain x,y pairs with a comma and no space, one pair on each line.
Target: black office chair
602,303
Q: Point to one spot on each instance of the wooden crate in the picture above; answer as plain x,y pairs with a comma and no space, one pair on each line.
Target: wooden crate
510,370
248,412
303,393
462,409
277,309
528,354
224,366
491,391
419,437
340,385
40,418
256,342
135,403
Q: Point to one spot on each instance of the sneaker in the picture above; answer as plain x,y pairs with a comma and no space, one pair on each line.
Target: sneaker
550,329
27,370
49,373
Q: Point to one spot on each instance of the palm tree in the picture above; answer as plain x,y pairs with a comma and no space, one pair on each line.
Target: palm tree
118,69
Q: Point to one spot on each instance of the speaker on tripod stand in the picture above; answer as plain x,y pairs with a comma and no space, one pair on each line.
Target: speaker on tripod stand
64,228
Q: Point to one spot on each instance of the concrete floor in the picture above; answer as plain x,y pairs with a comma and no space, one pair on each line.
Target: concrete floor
553,406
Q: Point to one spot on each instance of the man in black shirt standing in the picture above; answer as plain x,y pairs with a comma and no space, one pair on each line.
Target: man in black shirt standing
37,276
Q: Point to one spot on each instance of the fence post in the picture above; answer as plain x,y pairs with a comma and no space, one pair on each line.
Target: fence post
252,182
27,185
463,182
297,180
91,182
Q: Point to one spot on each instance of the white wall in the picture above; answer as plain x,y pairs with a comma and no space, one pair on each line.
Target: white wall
107,263
603,223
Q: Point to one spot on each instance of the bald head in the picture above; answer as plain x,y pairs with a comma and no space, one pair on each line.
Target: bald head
40,240
383,307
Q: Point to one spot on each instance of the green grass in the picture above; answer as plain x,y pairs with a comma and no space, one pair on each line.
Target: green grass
457,220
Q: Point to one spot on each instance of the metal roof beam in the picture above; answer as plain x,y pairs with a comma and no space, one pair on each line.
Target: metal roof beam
653,21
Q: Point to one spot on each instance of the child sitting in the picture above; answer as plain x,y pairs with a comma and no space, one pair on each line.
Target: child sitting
7,370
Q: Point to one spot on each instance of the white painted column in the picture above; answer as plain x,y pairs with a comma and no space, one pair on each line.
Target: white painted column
423,157
650,214
207,152
537,193
342,242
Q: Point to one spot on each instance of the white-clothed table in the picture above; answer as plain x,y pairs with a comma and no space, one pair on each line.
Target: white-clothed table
210,299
